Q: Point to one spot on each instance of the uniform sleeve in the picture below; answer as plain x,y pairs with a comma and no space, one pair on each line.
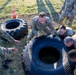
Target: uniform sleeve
34,30
5,51
74,9
63,6
33,24
6,36
69,31
51,27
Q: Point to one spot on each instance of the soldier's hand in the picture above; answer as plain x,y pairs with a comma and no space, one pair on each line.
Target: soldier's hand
16,42
14,50
56,36
35,36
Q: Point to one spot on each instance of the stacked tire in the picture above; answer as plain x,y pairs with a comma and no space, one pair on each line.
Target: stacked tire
17,28
46,56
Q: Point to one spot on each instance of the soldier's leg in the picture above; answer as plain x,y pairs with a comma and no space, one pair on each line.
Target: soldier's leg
61,18
70,21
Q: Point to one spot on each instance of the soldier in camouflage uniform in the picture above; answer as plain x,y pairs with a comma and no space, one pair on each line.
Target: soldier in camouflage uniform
4,54
42,23
65,31
8,37
5,51
67,11
70,42
72,58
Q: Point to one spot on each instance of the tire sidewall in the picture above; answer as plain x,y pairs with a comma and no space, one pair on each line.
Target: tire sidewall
21,22
56,44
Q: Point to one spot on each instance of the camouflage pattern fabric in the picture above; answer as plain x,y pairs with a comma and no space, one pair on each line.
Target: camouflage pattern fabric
4,53
37,26
6,36
69,32
68,9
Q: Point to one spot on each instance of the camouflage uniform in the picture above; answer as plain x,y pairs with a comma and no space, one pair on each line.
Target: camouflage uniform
68,9
4,54
6,36
69,32
37,26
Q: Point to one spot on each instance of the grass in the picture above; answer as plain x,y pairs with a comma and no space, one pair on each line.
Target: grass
25,7
28,6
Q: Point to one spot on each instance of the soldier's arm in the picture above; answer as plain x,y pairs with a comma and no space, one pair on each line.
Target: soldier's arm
51,27
6,36
34,30
5,51
63,6
74,9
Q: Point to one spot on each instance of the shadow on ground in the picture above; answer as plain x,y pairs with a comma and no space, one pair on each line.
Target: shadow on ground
3,6
52,13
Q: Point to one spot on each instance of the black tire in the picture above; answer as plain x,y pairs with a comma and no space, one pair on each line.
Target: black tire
36,64
17,28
